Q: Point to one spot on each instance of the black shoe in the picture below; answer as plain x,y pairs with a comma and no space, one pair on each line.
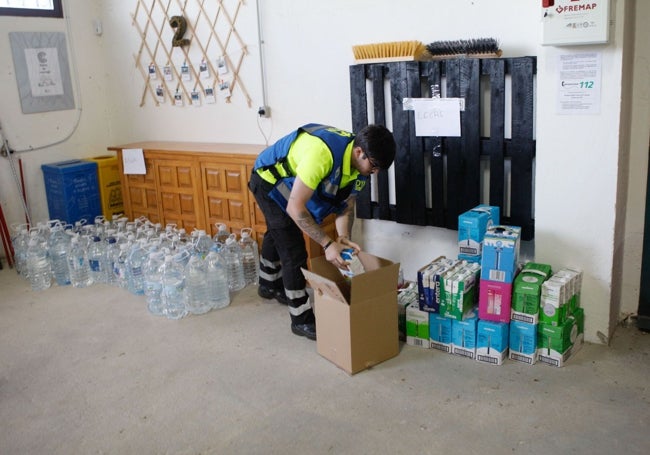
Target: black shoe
277,294
304,330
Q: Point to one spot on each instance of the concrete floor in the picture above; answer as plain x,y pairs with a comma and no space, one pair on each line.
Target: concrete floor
89,371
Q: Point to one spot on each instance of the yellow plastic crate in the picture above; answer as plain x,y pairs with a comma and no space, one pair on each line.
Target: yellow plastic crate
110,185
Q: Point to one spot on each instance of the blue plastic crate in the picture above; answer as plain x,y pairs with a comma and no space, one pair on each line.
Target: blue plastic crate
72,190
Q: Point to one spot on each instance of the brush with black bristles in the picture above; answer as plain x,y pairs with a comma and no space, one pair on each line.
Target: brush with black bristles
476,47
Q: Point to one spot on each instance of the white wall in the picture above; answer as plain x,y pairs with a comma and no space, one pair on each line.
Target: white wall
307,52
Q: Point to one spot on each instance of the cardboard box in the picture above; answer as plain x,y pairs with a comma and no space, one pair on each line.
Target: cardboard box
527,292
472,226
556,344
440,332
500,253
523,342
356,319
492,342
417,327
494,301
428,278
474,258
463,337
406,296
459,291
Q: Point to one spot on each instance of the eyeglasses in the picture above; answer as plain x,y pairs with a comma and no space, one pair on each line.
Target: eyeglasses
374,165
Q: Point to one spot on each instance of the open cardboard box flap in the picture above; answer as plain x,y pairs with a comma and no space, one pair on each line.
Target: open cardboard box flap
326,279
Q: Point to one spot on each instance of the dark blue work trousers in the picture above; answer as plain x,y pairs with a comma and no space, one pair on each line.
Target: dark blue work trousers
283,253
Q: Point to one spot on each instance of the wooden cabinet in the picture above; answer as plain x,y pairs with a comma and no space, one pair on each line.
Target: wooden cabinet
192,185
196,185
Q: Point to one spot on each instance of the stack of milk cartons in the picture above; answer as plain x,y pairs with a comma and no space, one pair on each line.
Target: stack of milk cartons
447,299
561,319
459,288
418,317
499,265
526,298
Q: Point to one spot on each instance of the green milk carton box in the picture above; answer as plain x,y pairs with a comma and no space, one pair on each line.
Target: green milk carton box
459,291
417,327
556,344
553,303
406,296
527,292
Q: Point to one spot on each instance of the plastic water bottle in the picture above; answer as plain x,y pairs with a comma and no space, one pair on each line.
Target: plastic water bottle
135,267
20,243
222,233
153,282
217,279
196,285
78,265
120,267
202,244
250,256
172,289
38,265
110,256
232,256
58,246
96,259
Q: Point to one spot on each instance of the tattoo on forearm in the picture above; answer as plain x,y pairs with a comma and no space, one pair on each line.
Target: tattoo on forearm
308,225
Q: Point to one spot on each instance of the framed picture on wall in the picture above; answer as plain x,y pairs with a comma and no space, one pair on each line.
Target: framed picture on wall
42,71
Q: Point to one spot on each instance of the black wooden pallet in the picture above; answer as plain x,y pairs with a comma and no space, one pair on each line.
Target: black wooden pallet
451,165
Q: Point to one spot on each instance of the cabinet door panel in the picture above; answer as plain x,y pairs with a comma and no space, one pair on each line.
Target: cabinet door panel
235,182
237,212
212,180
226,194
216,208
167,176
184,177
170,203
187,205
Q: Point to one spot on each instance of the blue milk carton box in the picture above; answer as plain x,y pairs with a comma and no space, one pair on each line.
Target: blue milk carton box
463,337
500,253
492,341
472,226
523,342
440,332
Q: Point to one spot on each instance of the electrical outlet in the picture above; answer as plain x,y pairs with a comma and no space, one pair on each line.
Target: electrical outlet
264,111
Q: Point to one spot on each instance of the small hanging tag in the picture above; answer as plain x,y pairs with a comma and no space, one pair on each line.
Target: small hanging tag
209,96
185,72
178,98
224,89
160,94
222,66
152,71
196,99
167,72
204,73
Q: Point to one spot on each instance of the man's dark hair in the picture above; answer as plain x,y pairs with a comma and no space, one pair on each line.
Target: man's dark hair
378,143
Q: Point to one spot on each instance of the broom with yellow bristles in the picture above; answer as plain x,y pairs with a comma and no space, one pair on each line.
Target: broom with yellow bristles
392,51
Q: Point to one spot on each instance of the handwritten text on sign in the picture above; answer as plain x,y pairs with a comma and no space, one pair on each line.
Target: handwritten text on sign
435,116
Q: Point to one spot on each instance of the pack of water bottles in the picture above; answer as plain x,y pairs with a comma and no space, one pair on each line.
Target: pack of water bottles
177,273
